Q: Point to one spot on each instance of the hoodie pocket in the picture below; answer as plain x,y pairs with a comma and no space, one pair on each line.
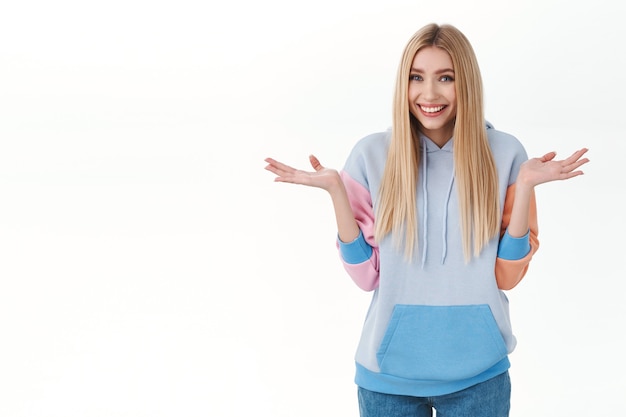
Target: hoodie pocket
440,343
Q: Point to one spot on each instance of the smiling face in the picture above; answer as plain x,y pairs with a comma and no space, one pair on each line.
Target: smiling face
432,95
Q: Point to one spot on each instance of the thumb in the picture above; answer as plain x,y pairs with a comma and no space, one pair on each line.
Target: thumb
548,157
315,163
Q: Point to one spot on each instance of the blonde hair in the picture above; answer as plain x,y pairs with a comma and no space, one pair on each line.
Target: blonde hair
475,171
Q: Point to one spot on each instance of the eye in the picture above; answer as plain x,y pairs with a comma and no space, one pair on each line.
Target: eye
415,77
446,78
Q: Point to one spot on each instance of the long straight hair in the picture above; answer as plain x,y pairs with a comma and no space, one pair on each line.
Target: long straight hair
474,166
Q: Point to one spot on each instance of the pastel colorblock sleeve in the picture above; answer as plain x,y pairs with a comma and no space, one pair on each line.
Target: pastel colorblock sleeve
360,257
514,254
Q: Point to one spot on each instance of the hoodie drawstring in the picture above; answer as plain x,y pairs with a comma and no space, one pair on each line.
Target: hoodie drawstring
444,228
444,251
425,204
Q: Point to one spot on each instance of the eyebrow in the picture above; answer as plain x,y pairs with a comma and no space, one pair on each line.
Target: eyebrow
441,71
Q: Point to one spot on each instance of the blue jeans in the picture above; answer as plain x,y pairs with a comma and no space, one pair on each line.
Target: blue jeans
491,398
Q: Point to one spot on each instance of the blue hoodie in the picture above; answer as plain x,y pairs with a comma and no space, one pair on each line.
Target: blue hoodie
436,324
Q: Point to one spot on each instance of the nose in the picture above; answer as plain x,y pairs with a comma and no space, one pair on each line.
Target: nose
430,90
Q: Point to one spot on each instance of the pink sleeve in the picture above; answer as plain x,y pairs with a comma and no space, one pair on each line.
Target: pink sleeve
365,274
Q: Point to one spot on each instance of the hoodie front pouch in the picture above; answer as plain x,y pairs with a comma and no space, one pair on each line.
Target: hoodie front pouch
443,343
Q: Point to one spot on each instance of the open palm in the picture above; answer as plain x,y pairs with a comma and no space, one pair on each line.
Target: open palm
321,177
537,171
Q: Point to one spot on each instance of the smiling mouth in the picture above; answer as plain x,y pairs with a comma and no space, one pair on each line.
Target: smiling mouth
432,109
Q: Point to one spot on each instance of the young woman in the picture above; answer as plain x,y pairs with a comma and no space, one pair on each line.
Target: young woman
437,217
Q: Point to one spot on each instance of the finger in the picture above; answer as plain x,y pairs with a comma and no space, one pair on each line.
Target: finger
575,165
275,165
315,163
548,157
271,166
572,165
575,156
572,174
278,172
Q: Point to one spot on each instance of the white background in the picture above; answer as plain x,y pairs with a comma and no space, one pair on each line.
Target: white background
149,266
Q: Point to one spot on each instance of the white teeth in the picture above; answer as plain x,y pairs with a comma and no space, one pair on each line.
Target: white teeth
432,109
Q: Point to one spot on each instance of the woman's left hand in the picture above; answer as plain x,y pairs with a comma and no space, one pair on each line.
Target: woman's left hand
537,171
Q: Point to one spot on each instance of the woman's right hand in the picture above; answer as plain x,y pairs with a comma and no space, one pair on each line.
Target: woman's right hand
325,178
